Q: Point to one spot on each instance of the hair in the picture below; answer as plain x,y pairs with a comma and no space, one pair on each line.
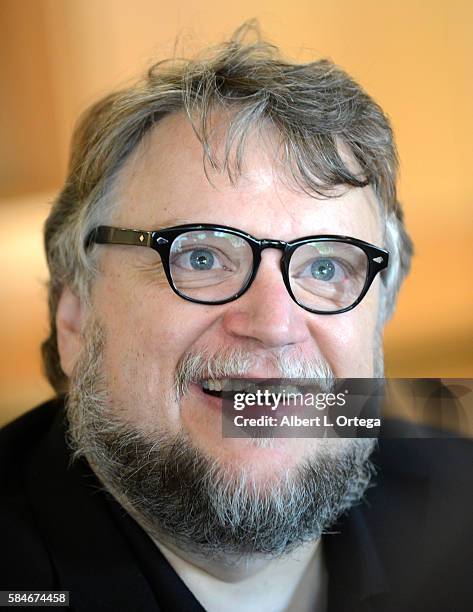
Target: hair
314,108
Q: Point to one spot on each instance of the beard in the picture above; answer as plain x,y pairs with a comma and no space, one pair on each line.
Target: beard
189,500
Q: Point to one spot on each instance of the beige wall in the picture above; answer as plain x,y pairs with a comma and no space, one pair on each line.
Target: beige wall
414,57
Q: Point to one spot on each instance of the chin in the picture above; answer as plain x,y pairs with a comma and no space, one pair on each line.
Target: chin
261,459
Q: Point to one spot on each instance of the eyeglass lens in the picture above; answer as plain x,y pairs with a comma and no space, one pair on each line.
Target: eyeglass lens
212,266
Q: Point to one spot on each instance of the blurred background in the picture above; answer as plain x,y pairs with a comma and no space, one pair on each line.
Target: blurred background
414,57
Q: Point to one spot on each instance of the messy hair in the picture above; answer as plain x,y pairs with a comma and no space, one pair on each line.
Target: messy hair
315,109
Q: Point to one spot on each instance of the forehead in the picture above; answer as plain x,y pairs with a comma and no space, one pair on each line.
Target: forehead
165,182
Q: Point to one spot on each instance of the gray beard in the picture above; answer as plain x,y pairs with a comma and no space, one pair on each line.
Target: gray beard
183,497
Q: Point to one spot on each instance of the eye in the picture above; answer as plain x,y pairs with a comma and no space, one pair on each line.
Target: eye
325,269
200,259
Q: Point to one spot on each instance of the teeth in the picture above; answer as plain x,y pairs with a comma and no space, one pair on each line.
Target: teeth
236,384
225,384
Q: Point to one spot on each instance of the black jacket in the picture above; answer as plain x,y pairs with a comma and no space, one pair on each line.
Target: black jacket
408,547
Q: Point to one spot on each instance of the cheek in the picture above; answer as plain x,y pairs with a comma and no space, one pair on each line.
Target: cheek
347,341
142,346
134,358
147,331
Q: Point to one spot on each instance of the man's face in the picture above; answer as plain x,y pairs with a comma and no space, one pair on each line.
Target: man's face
162,453
149,329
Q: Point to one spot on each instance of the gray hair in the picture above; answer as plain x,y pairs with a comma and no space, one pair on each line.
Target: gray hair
313,107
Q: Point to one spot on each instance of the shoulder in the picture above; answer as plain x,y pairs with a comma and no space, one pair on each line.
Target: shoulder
420,485
57,529
20,537
444,461
420,513
17,436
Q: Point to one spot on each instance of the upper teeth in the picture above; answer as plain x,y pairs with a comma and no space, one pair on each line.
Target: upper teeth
228,384
221,385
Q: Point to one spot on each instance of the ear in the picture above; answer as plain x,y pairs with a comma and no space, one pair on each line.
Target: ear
68,325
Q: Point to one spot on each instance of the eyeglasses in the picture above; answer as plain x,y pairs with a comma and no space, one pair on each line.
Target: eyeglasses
215,264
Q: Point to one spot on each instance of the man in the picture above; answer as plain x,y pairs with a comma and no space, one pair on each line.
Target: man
229,217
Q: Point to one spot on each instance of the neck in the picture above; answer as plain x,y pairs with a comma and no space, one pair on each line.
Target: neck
294,581
247,583
236,568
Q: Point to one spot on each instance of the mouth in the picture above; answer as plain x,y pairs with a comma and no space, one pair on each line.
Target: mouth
215,387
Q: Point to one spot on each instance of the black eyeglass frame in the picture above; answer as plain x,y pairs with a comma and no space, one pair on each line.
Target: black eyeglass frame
161,241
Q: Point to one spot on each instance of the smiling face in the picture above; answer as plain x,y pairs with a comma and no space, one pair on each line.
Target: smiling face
148,328
149,338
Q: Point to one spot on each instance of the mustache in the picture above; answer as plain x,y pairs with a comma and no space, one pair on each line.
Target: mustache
286,363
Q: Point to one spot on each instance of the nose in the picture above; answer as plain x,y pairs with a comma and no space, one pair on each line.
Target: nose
266,313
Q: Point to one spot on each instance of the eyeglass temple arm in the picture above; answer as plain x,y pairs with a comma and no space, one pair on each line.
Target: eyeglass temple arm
113,235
